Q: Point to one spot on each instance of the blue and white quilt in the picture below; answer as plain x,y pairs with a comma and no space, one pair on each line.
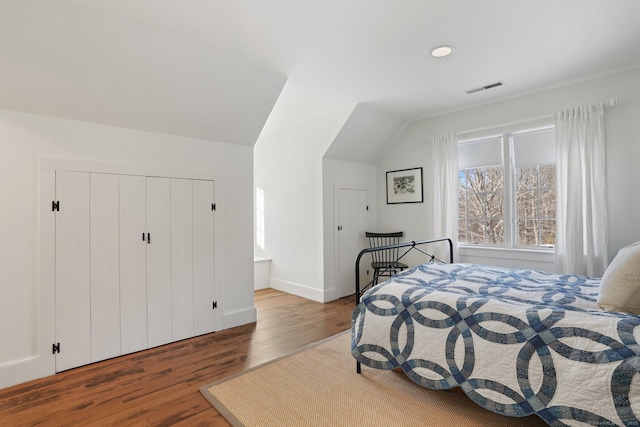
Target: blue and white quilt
517,342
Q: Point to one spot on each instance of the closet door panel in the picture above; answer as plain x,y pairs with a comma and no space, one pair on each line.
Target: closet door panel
344,267
105,267
351,216
203,257
359,241
182,258
133,264
159,261
73,293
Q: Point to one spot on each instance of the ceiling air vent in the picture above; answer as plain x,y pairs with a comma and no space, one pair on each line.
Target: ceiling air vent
489,86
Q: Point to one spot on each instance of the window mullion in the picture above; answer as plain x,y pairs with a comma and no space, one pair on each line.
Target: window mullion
510,226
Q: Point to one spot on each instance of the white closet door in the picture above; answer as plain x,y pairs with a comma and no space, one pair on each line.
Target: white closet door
182,258
73,314
360,241
105,267
351,216
203,257
159,261
133,264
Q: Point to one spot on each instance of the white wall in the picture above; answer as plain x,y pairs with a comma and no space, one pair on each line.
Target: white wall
340,172
622,151
24,138
288,167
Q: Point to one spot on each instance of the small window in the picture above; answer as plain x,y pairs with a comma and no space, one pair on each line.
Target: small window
260,235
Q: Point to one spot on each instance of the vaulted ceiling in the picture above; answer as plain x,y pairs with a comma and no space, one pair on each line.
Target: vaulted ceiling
214,69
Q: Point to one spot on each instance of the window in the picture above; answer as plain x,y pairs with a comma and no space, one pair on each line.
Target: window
481,192
260,240
507,190
536,205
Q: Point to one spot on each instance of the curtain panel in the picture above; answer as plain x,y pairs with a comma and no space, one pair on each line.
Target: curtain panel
582,229
441,178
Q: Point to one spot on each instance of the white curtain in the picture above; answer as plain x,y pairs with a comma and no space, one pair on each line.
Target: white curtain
441,189
581,237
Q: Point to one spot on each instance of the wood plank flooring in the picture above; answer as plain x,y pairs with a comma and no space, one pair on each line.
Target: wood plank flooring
159,387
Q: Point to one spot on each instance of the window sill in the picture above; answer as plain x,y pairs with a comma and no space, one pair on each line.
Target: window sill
539,259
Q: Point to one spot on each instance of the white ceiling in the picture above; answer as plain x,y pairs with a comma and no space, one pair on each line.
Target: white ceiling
213,69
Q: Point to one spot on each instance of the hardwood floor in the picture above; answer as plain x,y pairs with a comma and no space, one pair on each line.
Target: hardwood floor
159,387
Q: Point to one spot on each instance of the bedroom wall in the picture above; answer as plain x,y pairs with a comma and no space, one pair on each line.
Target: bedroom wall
24,138
341,172
622,133
288,168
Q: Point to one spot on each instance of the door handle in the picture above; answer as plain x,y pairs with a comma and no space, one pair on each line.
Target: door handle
148,238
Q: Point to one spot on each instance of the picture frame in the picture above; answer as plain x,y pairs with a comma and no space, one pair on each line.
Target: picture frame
404,186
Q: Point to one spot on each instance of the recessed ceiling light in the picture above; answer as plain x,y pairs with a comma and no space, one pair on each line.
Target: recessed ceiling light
441,51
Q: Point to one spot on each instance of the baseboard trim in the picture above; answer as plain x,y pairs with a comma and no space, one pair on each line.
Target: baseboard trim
239,317
330,295
26,369
298,289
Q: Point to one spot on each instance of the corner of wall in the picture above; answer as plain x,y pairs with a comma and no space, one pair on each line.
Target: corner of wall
239,317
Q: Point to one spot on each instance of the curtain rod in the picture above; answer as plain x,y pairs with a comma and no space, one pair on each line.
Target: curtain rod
609,103
501,125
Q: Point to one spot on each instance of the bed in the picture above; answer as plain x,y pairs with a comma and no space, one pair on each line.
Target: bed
517,342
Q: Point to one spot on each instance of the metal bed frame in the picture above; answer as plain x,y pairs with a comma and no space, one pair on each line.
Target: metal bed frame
407,247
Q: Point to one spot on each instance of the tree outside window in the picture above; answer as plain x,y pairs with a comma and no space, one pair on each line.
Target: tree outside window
481,212
536,205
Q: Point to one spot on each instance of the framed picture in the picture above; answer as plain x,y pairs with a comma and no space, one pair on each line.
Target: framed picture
404,186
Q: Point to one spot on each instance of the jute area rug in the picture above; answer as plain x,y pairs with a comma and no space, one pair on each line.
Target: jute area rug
319,386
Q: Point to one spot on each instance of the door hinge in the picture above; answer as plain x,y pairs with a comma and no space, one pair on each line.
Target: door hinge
55,348
55,206
213,206
215,305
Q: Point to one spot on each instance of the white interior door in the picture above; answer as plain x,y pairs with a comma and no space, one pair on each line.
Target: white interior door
73,292
182,231
105,267
133,263
351,214
203,257
360,241
159,311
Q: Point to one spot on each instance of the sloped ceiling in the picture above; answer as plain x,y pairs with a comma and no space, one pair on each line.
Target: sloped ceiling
213,69
366,136
62,60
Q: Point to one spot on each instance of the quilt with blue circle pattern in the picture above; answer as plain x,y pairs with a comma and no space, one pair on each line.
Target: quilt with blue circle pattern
517,342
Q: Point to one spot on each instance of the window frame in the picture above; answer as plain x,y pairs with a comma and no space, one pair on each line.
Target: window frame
506,133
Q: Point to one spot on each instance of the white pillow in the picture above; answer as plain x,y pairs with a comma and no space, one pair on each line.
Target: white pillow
620,285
